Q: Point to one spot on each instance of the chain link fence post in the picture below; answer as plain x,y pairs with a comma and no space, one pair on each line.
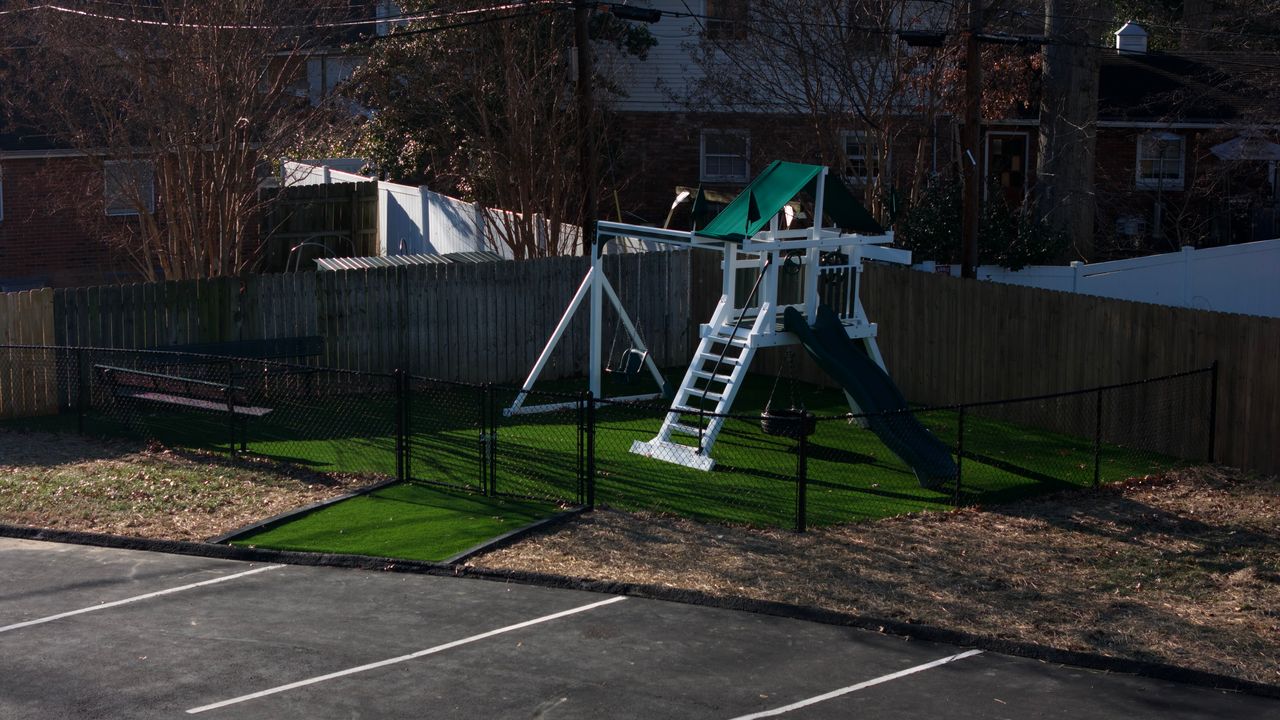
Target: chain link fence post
1213,411
581,419
955,499
488,431
591,451
82,389
408,426
1097,441
398,385
802,478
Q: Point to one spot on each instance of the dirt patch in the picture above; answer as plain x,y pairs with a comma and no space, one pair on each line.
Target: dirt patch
69,482
1182,568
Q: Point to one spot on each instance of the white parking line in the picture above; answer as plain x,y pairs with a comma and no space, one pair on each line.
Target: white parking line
854,688
136,598
402,658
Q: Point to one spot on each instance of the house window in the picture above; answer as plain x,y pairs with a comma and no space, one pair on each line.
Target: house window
1161,161
725,155
128,185
726,19
861,162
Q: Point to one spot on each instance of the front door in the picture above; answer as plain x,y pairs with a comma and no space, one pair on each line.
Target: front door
1007,165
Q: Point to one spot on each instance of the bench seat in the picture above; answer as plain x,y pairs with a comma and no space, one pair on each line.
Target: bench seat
196,403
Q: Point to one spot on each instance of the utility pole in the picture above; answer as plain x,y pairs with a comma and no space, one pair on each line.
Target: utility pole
971,141
586,107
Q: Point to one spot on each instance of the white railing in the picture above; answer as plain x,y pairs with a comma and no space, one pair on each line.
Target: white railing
841,280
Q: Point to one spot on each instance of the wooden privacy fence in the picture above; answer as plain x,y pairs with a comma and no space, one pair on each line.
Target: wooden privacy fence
483,322
26,318
945,340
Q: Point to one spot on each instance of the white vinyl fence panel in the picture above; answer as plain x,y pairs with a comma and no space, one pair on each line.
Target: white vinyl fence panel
417,221
1242,279
403,227
456,225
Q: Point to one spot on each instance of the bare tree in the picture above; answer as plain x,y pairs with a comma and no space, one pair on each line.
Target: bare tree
1068,118
174,104
484,110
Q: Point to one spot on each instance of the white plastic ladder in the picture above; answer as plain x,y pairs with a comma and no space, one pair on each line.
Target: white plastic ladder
706,394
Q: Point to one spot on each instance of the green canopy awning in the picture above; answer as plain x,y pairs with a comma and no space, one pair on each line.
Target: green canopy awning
777,185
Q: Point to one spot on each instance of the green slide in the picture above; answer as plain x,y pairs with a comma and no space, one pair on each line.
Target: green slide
889,416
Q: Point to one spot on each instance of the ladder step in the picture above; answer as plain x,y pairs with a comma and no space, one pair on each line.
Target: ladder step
734,341
733,360
711,376
686,398
687,429
688,410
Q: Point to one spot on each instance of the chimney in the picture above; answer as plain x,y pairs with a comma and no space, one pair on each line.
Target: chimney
1131,39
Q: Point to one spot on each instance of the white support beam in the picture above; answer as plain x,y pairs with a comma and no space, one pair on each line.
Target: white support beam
561,327
885,254
594,366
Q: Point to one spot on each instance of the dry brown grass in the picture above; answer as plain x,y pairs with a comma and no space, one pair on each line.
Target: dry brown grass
1181,569
69,482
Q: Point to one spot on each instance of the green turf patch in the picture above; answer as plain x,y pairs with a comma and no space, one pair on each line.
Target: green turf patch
1011,451
405,520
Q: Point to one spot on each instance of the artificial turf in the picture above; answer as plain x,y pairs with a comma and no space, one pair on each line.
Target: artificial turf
851,475
404,520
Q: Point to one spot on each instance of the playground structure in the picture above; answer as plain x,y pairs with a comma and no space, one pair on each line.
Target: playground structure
805,291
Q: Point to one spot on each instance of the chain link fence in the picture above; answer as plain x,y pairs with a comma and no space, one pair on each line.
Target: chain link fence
576,450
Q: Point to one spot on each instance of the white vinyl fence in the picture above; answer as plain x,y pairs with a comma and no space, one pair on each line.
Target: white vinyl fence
1243,279
418,221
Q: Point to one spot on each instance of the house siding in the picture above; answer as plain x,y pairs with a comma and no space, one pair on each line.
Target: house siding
662,81
664,151
41,243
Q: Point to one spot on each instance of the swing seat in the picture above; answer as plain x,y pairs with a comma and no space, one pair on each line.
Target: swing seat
792,422
630,363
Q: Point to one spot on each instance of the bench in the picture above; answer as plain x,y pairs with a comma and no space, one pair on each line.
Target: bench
176,391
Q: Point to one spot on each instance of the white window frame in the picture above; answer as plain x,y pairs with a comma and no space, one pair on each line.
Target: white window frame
871,162
705,176
124,207
1148,182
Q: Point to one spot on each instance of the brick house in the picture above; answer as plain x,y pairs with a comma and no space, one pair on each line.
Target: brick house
1182,155
670,140
54,212
64,221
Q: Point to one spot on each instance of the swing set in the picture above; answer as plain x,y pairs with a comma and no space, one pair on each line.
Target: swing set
818,308
628,365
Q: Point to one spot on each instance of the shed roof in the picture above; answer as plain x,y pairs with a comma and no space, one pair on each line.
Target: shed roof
369,263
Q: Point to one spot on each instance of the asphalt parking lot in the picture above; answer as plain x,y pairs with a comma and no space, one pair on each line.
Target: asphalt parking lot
90,632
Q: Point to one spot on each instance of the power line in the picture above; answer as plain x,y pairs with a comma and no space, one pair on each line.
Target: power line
526,5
